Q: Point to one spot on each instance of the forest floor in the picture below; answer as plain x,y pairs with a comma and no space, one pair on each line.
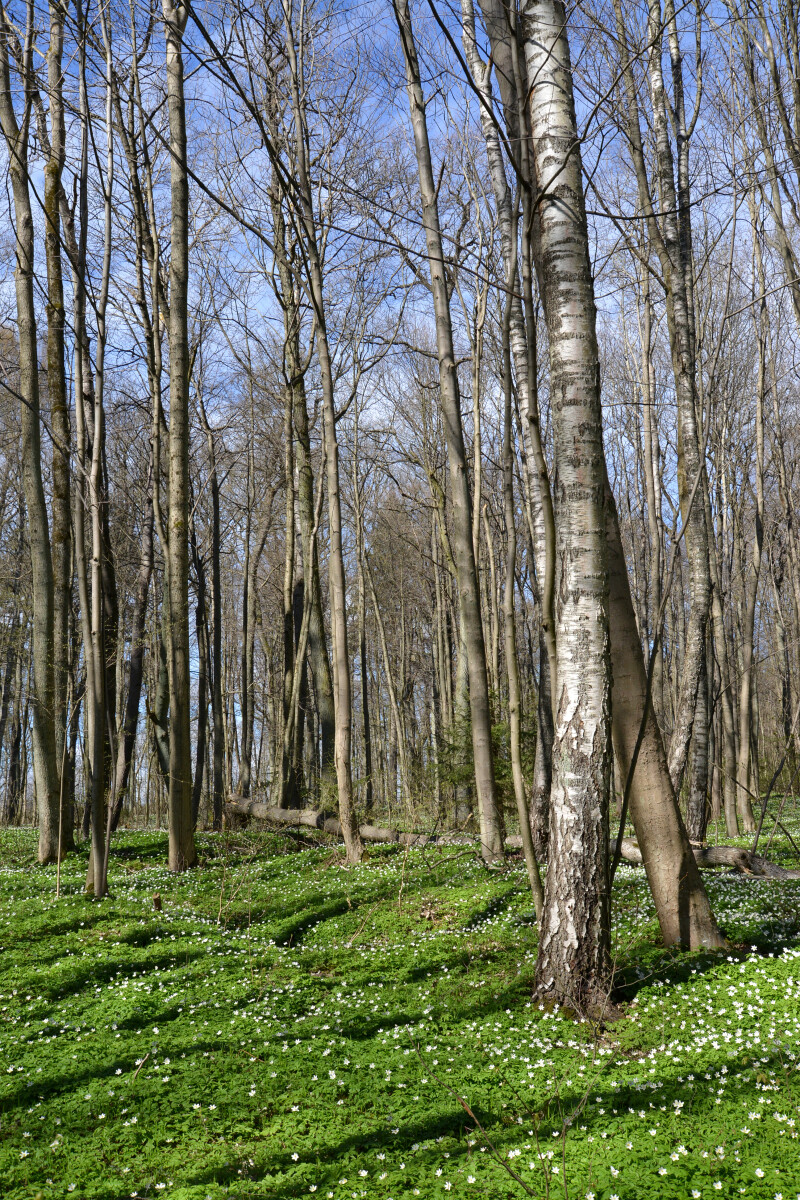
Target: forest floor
286,1026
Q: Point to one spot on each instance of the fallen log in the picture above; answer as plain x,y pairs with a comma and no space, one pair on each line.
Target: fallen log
743,861
318,819
738,859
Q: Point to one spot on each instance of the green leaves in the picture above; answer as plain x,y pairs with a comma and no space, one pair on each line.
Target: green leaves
272,1052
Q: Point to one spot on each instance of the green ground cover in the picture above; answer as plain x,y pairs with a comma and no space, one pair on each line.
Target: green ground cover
285,1027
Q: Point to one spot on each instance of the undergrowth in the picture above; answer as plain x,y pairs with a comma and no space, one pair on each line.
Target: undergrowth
286,1027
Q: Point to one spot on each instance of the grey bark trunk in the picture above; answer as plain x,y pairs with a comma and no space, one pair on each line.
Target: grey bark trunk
201,629
286,790
182,852
682,906
509,617
318,658
130,720
743,799
42,692
59,410
489,813
218,741
674,246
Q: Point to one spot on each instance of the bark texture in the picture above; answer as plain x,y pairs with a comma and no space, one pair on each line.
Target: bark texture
182,852
42,685
682,906
573,963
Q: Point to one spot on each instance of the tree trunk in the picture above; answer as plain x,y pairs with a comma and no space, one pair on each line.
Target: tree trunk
90,427
182,852
523,334
744,806
574,960
697,807
398,739
369,793
652,472
489,813
59,410
159,712
14,774
130,720
318,659
342,687
201,628
218,751
682,907
509,615
42,690
8,681
286,791
675,248
369,786
671,238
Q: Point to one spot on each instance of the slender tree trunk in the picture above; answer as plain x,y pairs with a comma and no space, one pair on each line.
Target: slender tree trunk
182,852
369,795
130,720
490,815
501,27
744,806
217,775
92,430
159,712
8,681
285,791
293,713
14,775
42,693
399,740
670,235
697,803
651,460
59,410
342,686
369,786
720,641
674,245
543,760
491,605
300,716
201,627
509,619
318,659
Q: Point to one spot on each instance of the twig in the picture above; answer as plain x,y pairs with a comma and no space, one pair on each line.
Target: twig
141,1064
789,836
363,923
509,1170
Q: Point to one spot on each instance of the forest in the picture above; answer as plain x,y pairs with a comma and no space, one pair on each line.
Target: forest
399,598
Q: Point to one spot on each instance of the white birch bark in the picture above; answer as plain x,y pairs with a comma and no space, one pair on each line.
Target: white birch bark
574,962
